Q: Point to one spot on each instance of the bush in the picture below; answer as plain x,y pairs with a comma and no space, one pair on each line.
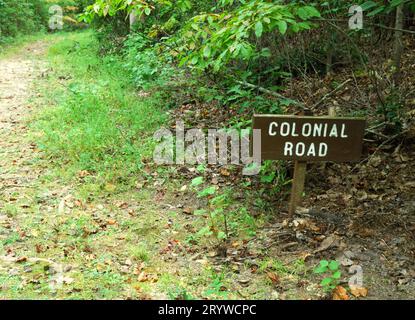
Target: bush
22,17
147,65
111,32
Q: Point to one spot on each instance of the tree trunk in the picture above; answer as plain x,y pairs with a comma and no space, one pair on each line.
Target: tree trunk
133,20
398,46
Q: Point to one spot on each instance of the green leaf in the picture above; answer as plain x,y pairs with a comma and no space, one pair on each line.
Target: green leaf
395,3
282,26
334,265
320,270
324,263
147,11
266,53
199,212
197,181
376,11
337,275
194,60
295,27
368,5
221,235
259,28
207,51
308,12
207,192
312,11
326,281
268,178
204,232
302,13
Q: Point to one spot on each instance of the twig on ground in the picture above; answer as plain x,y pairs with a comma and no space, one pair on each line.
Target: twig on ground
325,97
273,93
378,148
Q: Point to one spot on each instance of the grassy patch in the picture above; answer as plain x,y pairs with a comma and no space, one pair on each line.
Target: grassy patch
11,46
95,121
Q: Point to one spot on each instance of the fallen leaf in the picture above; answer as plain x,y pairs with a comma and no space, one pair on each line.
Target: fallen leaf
274,277
110,187
358,291
83,174
139,185
302,211
111,222
225,173
235,244
122,205
78,203
67,280
188,210
61,208
39,248
410,184
327,243
21,259
304,255
340,293
142,277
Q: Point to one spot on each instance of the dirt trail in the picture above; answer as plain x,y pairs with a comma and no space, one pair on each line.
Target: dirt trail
16,76
36,260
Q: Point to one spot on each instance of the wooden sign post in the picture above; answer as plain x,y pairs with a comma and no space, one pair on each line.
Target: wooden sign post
300,170
309,139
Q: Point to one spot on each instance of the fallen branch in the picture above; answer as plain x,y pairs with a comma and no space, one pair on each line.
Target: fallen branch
366,23
272,93
325,97
379,148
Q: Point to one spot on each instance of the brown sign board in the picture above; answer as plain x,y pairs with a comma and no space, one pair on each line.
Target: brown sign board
311,139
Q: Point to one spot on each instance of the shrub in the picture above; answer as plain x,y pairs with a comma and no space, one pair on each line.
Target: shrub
22,17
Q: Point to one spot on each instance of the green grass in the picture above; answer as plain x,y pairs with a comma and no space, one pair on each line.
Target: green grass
10,46
95,120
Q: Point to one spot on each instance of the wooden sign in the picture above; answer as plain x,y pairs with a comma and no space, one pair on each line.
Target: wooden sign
305,138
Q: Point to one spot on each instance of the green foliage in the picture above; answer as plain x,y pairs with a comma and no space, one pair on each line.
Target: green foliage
217,205
212,40
179,293
391,110
209,191
197,181
331,272
212,37
232,40
22,17
374,8
274,174
222,219
111,123
228,38
217,287
146,62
